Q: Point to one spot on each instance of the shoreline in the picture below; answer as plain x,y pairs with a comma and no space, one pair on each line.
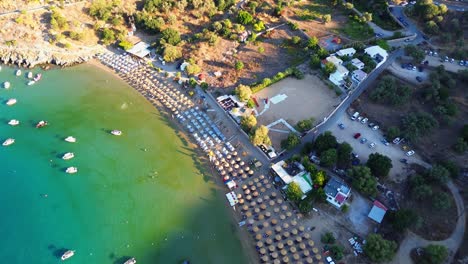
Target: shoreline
242,235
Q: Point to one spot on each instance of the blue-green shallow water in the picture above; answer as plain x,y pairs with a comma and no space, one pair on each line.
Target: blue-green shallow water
155,205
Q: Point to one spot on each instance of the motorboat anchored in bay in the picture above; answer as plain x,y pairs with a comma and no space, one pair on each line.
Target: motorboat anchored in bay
13,122
71,170
6,85
8,142
68,254
68,155
130,261
116,132
11,102
30,75
31,83
18,72
38,77
70,139
41,123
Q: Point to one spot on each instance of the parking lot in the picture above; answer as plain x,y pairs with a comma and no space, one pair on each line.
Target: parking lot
363,150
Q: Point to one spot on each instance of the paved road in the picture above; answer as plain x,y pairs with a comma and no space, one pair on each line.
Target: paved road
332,120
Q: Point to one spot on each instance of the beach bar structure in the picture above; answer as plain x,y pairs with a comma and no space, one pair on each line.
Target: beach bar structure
140,50
293,172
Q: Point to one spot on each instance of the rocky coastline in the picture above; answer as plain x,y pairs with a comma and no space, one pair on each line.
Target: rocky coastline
30,58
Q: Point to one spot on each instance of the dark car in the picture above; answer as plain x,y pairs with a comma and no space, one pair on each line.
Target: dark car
357,135
425,37
341,125
419,79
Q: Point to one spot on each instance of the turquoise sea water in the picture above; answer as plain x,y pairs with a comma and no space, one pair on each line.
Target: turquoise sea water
155,205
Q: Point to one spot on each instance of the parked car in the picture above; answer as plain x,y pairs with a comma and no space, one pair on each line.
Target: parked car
354,116
357,135
375,127
372,145
404,161
397,140
354,155
363,140
315,159
410,153
341,125
384,141
419,79
363,121
371,125
360,118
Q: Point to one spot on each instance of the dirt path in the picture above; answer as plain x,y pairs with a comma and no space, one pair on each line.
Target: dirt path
452,243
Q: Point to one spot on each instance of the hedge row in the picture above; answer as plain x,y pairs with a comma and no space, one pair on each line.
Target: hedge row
256,87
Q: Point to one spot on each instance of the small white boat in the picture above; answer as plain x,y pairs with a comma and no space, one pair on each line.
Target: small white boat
30,75
6,85
38,77
130,261
31,82
11,101
13,122
71,170
116,132
8,142
68,155
18,72
68,254
41,123
70,139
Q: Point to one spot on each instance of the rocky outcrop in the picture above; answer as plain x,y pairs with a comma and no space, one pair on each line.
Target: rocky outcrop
30,58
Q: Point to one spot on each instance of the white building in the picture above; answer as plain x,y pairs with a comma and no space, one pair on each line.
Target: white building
338,76
293,172
337,192
335,60
377,53
346,52
358,75
358,63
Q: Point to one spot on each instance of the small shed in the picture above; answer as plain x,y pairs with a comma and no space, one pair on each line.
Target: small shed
377,212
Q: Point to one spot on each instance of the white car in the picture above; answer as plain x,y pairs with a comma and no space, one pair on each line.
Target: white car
372,145
375,127
363,121
410,153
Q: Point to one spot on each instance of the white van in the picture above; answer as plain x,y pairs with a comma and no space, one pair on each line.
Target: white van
354,116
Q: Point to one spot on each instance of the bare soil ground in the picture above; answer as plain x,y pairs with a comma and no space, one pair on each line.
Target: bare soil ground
433,147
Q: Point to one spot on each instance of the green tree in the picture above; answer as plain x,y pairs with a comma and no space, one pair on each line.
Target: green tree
452,167
344,155
389,91
441,200
348,6
421,192
328,238
328,158
461,146
239,65
248,122
295,40
367,17
125,44
319,178
415,52
107,36
260,136
243,92
315,62
326,18
363,180
244,17
379,164
171,53
294,192
259,26
393,132
337,252
292,141
100,9
170,36
431,27
325,141
329,68
434,254
304,125
439,174
418,124
379,249
404,219
192,69
312,42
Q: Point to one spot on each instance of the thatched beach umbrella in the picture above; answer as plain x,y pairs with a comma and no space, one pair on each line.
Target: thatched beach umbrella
220,168
286,234
251,183
241,201
251,172
253,204
271,202
276,209
285,259
318,256
241,171
272,248
226,178
273,194
262,190
261,217
293,222
253,188
228,156
267,214
276,261
263,206
236,166
294,231
241,163
298,239
269,232
268,186
282,217
302,245
238,160
279,200
266,181
262,177
234,174
259,184
255,194
226,165
290,242
259,200
248,214
234,153
306,252
262,251
255,180
288,213
239,196
232,162
296,257
284,252
248,197
230,169
246,168
265,259
278,238
255,229
311,243
280,245
247,191
301,228
315,250
309,260
274,222
266,224
245,208
277,228
258,236
257,210
306,236
216,163
269,241
244,176
259,244
274,254
223,172
293,249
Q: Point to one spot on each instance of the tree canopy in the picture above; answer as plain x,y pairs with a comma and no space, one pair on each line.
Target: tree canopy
403,219
170,36
325,141
389,91
363,180
439,174
248,122
344,155
244,17
379,164
434,254
294,192
328,157
329,68
379,249
260,136
418,124
171,53
290,142
243,92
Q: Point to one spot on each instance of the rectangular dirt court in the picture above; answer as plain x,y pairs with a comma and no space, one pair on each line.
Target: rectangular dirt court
294,100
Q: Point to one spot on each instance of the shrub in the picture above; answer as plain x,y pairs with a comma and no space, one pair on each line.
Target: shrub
291,141
243,92
170,36
379,164
379,249
304,125
294,192
244,17
239,65
328,238
125,44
